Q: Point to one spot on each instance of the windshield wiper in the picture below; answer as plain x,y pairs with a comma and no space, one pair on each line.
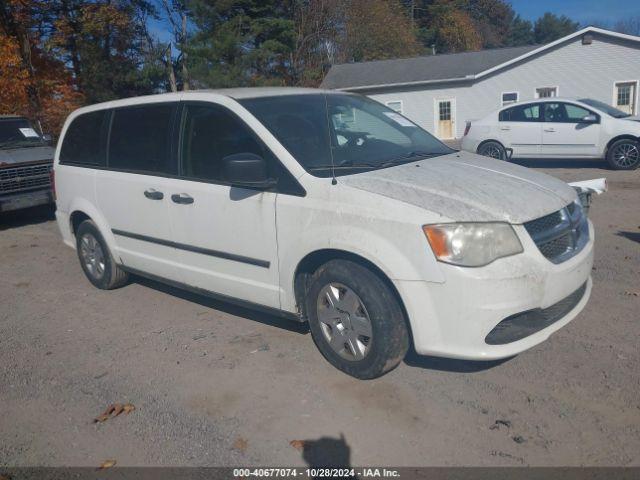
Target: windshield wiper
406,158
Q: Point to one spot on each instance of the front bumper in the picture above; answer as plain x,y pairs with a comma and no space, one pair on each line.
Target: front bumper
18,201
452,319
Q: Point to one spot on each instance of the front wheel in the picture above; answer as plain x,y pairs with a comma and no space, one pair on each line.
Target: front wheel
624,155
493,150
356,320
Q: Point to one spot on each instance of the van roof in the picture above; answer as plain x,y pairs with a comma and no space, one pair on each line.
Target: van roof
235,93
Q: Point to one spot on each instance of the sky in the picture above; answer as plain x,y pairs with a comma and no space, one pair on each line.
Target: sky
583,11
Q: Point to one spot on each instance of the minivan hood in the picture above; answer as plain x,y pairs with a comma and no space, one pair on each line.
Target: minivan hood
26,154
466,187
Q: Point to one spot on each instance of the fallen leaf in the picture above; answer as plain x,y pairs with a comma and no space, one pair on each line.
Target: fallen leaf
635,294
297,444
107,464
113,411
117,409
101,418
240,444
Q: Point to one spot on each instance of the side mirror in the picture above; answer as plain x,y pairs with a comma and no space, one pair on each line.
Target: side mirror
247,170
591,118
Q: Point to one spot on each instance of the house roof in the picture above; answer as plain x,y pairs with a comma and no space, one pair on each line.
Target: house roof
419,69
453,67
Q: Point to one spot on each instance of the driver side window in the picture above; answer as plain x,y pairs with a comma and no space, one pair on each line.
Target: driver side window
209,134
349,123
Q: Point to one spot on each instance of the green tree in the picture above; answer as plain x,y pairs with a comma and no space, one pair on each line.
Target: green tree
520,33
492,19
241,42
551,27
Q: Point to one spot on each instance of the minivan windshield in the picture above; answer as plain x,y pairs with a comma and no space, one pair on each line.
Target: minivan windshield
608,109
342,132
18,133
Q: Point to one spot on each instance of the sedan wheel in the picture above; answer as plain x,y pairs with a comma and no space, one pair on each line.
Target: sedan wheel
493,150
625,155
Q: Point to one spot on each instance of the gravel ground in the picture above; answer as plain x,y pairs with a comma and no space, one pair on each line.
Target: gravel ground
218,385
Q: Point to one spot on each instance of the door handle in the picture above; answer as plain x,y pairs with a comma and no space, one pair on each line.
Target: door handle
153,194
549,129
505,128
182,198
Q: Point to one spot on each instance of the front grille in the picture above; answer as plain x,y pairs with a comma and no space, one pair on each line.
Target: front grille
521,325
25,178
560,235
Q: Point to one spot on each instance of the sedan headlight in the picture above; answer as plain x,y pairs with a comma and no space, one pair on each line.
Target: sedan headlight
472,244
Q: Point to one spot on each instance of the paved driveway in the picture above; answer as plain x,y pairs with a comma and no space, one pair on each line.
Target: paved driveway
217,385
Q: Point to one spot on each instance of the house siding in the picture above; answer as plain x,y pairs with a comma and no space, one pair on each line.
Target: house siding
577,70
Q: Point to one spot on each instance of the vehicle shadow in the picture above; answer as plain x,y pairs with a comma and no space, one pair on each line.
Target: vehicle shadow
28,216
413,359
633,236
226,307
561,163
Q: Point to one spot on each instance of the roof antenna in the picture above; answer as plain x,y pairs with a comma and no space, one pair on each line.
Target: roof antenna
333,166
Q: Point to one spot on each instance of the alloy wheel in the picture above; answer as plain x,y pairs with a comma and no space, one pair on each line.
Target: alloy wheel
492,151
626,155
92,255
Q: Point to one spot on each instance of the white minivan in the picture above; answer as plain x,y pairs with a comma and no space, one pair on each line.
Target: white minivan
328,208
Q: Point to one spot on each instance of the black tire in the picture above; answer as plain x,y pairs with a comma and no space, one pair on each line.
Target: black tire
624,154
493,149
389,341
108,277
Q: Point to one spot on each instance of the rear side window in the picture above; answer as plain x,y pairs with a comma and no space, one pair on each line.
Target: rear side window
82,144
521,113
140,138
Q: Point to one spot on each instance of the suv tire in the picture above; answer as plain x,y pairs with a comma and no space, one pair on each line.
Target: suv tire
624,154
96,259
355,319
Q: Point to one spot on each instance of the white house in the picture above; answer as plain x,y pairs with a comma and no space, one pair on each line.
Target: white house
441,92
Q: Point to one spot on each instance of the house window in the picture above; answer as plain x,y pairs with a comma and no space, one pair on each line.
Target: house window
546,92
509,97
625,96
395,105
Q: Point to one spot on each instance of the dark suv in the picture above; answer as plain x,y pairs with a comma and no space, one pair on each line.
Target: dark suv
26,159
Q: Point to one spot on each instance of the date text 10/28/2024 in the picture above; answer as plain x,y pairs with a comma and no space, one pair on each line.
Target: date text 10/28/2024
316,472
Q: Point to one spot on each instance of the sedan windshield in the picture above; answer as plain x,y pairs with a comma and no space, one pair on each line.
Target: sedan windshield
343,133
608,109
17,133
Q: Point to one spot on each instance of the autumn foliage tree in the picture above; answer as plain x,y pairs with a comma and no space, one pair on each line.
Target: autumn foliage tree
32,83
375,30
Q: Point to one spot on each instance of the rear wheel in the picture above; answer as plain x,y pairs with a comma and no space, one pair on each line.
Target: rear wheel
624,155
493,150
96,259
356,320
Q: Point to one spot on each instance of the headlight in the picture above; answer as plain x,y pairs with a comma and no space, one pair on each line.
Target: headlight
472,244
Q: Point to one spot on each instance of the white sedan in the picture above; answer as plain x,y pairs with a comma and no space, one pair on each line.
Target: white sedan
557,128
